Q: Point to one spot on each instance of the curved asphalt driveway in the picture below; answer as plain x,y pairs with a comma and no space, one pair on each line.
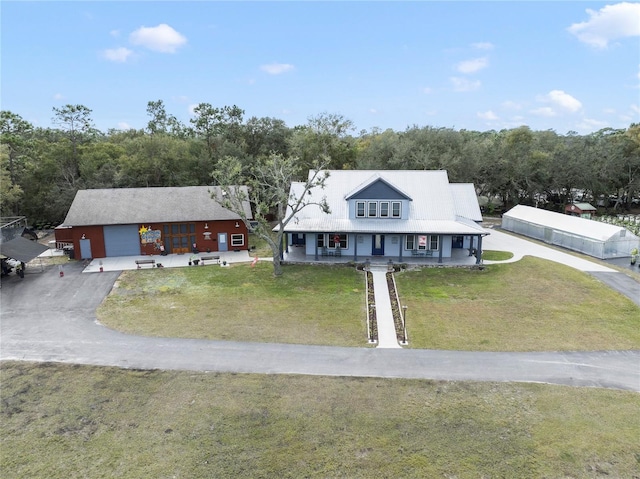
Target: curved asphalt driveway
48,318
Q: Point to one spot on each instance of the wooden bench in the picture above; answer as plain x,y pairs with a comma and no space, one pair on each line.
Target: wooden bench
140,262
209,258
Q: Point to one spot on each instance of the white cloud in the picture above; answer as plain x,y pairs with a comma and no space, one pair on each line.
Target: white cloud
511,105
472,66
607,24
115,33
123,125
191,108
561,99
58,96
463,84
488,115
635,109
482,46
591,124
162,38
120,55
276,68
427,90
544,111
373,111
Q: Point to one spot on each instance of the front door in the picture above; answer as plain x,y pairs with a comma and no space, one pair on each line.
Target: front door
179,237
298,239
222,242
457,242
378,245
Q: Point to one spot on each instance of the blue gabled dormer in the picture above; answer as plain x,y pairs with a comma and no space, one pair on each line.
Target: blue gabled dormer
377,198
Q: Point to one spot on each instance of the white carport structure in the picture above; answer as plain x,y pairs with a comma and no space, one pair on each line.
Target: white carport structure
601,240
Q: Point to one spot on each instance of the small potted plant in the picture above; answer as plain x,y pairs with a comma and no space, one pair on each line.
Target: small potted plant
634,255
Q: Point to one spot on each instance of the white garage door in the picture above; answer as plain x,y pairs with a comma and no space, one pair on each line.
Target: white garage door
121,240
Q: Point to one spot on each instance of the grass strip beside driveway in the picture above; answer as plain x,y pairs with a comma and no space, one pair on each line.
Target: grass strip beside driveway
306,305
530,305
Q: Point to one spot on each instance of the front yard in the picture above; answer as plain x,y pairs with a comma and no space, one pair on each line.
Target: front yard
530,305
307,305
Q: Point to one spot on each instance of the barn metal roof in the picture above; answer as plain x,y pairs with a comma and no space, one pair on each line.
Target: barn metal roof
587,228
117,206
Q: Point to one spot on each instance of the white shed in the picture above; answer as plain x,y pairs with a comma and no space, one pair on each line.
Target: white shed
601,240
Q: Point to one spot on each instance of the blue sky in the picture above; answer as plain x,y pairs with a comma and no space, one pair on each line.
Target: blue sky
566,66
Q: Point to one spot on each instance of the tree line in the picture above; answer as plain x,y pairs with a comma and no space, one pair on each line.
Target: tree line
42,168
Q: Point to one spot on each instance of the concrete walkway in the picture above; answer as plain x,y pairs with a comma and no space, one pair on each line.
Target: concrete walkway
384,315
520,247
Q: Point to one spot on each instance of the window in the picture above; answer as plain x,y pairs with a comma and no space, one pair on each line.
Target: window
237,240
338,240
396,210
320,241
410,242
422,242
360,209
373,209
384,209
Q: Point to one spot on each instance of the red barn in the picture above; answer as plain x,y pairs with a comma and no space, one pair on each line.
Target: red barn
134,221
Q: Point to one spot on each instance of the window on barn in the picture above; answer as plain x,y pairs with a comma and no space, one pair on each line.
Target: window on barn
237,240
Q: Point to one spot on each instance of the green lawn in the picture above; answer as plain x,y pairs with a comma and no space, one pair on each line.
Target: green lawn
67,422
491,255
529,305
307,305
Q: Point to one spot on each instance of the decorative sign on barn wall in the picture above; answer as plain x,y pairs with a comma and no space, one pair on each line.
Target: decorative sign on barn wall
149,236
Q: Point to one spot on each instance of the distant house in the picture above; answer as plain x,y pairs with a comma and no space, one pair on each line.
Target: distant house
394,214
583,210
145,221
601,240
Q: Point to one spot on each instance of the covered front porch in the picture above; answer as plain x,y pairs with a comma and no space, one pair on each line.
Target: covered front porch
419,249
459,257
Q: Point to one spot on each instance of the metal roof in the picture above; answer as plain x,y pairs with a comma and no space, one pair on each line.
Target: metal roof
22,249
595,230
466,201
117,206
584,206
435,207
